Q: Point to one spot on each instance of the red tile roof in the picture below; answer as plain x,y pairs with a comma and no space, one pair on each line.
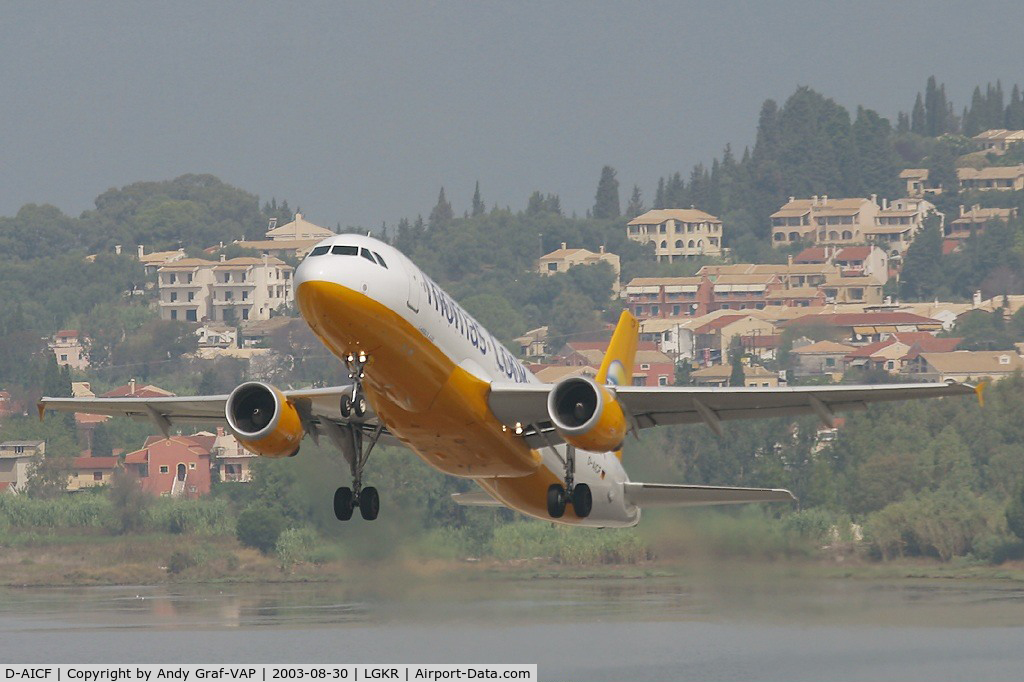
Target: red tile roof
717,323
854,253
95,463
950,246
125,391
858,319
870,349
811,255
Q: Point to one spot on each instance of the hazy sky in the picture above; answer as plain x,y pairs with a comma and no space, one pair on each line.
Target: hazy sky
359,112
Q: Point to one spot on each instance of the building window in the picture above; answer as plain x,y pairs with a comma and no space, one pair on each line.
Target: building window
63,358
245,295
172,278
645,366
174,296
229,295
641,310
174,314
663,380
97,475
655,310
191,465
552,267
191,295
190,315
189,278
675,310
164,469
245,314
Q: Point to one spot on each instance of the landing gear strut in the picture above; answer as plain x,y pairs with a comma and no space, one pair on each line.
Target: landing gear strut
355,404
356,448
576,494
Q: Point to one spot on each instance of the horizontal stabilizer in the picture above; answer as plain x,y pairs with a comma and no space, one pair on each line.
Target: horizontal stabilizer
475,499
669,495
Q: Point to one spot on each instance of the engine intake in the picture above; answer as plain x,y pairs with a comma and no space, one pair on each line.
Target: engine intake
263,420
587,415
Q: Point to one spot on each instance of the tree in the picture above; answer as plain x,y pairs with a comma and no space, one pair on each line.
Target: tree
918,124
441,215
879,170
737,376
130,503
636,204
259,528
478,203
49,477
923,274
1015,513
102,444
606,201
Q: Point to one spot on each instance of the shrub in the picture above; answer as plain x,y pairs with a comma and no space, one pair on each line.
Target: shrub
179,561
944,523
296,546
259,528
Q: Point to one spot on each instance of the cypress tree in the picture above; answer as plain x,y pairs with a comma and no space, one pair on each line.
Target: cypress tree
917,118
441,215
478,203
1014,119
923,274
636,204
606,201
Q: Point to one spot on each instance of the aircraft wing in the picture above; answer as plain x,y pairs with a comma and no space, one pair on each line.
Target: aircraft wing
320,408
647,406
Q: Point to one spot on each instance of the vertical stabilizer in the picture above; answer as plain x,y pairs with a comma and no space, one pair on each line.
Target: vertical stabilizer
617,366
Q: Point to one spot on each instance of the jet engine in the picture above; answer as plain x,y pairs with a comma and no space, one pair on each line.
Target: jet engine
587,415
263,420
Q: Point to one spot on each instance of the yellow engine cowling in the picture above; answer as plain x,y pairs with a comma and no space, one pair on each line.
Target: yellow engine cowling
587,415
263,420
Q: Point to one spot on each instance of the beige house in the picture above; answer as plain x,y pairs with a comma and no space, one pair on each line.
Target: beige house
1005,178
964,365
791,275
561,259
822,357
823,220
90,472
17,459
863,261
974,220
918,184
69,348
678,232
554,373
231,461
300,228
151,262
898,223
718,375
280,248
998,139
534,343
866,290
229,291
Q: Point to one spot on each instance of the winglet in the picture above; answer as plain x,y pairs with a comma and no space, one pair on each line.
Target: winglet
617,366
979,391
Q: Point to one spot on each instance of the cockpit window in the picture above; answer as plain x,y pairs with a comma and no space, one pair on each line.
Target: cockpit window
342,250
379,259
319,251
365,253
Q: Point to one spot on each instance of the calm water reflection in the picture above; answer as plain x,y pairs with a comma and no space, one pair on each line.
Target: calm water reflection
716,626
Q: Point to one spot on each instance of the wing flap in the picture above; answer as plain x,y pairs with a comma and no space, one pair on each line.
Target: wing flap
677,495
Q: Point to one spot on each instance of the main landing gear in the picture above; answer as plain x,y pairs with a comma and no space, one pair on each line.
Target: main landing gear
357,449
576,494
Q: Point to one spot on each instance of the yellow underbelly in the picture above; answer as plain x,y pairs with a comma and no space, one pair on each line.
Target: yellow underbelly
436,408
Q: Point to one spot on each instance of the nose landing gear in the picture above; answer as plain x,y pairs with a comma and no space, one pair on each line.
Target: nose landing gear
355,448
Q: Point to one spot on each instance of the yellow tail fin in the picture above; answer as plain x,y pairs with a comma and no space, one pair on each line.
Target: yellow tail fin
617,366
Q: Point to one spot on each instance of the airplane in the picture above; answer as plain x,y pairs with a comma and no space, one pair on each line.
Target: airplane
426,375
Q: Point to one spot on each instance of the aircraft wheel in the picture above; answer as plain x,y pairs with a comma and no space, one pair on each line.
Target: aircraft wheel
369,503
343,504
582,500
556,501
346,406
359,406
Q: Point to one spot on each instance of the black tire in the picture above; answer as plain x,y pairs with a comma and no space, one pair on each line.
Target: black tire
369,503
343,504
556,501
346,406
582,500
359,406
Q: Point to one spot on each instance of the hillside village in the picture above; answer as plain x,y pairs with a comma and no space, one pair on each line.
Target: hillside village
917,279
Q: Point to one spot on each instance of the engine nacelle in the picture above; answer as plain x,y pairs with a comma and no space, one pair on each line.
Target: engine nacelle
263,420
587,415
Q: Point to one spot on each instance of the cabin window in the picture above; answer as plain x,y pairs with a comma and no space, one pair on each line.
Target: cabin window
342,250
